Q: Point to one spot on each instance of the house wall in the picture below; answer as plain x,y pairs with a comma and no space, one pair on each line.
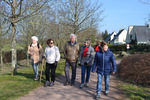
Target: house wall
121,39
130,32
112,36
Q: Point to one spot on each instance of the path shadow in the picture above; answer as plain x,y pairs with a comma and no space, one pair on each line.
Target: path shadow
30,76
88,90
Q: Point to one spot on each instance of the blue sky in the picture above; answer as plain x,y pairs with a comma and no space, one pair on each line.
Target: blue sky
122,13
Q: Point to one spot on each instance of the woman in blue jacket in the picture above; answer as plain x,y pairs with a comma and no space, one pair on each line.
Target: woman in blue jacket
103,61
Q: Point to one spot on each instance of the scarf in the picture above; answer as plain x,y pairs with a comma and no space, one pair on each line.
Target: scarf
85,52
34,44
96,48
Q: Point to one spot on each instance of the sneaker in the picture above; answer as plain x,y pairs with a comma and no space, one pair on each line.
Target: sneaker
72,84
86,85
106,92
98,96
82,85
52,83
67,83
36,78
46,84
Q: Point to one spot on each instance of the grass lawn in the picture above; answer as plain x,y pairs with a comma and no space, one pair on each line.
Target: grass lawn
12,87
136,92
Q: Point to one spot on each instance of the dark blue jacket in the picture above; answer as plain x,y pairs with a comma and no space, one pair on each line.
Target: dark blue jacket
103,62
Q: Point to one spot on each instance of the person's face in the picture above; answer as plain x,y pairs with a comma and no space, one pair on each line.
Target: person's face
86,43
99,43
72,39
105,48
51,43
34,41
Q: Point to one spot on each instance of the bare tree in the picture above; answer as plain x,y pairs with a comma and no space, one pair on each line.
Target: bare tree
145,1
16,10
80,15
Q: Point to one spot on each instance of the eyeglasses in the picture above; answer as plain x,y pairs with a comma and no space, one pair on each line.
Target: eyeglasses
51,43
86,42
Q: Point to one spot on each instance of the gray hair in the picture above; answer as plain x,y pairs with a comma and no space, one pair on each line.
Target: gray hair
34,38
72,35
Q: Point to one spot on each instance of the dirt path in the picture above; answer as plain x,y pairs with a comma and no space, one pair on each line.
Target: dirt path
60,92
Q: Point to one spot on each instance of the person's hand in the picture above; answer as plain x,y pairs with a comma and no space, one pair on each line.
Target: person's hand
31,54
43,57
56,62
79,64
93,72
114,73
40,61
85,63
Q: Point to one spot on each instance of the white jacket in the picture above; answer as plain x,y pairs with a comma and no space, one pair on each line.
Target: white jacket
52,54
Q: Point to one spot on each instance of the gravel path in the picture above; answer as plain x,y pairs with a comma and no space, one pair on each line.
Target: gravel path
61,92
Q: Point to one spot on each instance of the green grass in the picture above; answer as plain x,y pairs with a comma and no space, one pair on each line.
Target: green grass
136,92
12,87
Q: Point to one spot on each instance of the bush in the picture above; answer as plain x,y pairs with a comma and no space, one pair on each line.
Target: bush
21,55
136,69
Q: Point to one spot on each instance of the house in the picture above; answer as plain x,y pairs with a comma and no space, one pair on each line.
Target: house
120,37
110,37
138,34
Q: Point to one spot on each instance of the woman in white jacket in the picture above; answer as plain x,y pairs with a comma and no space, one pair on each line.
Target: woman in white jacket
52,56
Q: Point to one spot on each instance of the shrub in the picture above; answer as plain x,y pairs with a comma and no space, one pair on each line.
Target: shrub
21,55
136,69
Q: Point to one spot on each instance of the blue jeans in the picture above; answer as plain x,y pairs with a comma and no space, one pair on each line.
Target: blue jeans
35,69
88,70
99,82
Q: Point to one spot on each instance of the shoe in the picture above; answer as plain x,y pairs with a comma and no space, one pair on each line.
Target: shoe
86,85
72,84
82,85
98,96
52,83
67,83
106,92
36,78
46,84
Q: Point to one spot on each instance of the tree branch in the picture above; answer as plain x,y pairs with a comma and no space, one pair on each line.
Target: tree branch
8,3
31,13
144,2
19,3
7,30
4,14
89,14
32,6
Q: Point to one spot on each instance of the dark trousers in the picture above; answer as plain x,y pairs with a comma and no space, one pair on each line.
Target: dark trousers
67,68
52,68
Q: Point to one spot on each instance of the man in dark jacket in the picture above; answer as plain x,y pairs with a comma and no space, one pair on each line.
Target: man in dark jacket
103,61
71,52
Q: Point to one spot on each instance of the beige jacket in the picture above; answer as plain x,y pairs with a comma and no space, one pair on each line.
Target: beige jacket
71,52
35,53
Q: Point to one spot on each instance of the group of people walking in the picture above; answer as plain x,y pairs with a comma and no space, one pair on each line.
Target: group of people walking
82,56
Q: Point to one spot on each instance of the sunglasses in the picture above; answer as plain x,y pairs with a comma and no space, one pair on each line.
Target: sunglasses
86,42
51,43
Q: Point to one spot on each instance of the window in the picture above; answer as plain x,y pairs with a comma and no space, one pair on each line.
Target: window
130,36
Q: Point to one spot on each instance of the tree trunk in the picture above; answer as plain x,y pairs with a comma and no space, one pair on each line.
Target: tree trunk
1,60
75,19
13,44
27,62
